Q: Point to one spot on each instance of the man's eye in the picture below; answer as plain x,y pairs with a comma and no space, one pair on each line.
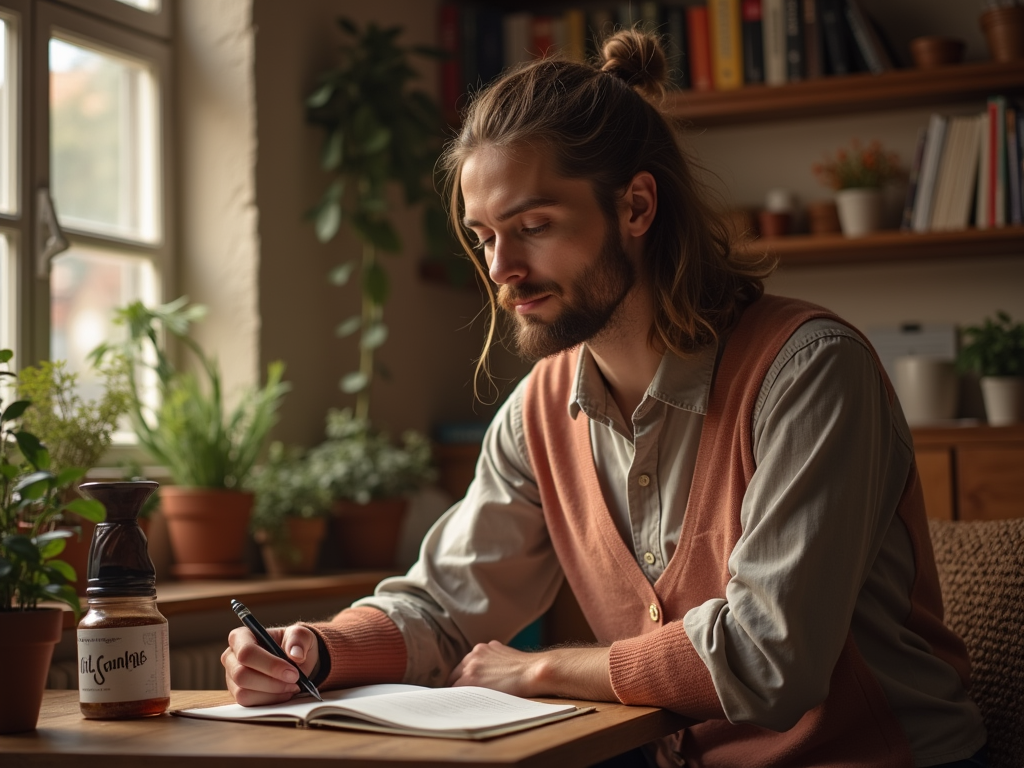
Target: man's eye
535,230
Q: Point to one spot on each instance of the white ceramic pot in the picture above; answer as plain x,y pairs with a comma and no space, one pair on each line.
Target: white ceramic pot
1004,399
860,210
927,389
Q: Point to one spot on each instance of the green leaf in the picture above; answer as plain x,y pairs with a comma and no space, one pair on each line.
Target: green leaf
378,232
67,476
332,153
15,409
376,284
320,96
90,509
64,593
51,547
29,482
23,547
374,336
54,535
5,566
31,449
328,221
64,570
354,382
348,327
6,355
377,141
341,274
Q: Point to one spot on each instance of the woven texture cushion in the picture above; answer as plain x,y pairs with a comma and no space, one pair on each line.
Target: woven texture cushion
981,571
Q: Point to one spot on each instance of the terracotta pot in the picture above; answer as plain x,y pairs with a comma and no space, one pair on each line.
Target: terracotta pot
932,51
367,534
26,644
775,224
822,217
1004,32
208,529
297,553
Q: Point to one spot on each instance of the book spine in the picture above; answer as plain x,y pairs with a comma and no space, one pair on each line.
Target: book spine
774,40
864,35
516,38
629,15
700,48
834,32
753,41
794,41
451,64
1013,164
997,117
981,199
906,224
542,36
575,34
724,32
679,60
814,46
650,15
601,24
929,169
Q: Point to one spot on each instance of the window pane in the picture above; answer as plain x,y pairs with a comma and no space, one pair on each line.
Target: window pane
103,142
153,6
8,116
8,295
86,286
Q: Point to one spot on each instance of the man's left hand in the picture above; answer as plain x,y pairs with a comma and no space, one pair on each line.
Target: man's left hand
576,673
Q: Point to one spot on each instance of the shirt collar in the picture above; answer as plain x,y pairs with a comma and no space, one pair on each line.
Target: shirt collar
681,381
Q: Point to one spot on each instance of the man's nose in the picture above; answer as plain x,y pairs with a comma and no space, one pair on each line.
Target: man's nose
506,263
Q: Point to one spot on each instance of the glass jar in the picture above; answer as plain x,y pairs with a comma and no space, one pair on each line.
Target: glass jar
124,668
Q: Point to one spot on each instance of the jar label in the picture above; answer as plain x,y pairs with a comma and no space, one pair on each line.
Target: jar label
123,664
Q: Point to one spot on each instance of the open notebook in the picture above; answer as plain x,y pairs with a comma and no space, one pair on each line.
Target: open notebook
455,713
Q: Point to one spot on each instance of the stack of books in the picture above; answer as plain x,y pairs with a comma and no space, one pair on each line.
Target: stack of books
711,44
968,169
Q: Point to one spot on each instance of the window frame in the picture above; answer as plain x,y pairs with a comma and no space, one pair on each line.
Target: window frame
156,23
52,17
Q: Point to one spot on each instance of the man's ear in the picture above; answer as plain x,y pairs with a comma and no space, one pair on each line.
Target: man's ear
639,204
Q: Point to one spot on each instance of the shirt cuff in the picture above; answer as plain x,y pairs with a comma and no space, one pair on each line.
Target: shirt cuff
663,669
363,647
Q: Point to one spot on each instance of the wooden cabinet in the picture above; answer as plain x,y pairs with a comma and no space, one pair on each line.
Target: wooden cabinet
971,473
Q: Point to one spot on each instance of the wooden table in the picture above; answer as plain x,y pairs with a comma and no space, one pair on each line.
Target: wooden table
65,738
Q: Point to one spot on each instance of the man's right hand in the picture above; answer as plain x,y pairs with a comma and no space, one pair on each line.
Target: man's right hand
256,676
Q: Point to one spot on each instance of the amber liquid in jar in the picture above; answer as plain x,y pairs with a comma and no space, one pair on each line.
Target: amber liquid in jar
124,669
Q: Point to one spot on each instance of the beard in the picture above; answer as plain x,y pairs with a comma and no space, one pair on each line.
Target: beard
590,303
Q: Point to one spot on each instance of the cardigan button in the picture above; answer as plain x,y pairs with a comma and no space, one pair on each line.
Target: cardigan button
644,480
654,612
649,558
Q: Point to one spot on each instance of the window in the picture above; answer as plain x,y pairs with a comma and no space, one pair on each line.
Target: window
85,193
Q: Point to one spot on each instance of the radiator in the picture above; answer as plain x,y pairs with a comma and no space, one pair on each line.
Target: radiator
193,668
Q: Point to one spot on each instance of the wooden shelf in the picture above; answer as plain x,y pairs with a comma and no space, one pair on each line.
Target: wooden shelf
863,92
818,250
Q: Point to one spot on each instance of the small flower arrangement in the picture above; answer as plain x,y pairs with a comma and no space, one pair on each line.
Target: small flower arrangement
860,166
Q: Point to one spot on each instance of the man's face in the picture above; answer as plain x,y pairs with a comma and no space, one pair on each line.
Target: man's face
556,256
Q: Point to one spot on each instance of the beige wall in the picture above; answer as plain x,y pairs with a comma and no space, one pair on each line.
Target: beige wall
272,270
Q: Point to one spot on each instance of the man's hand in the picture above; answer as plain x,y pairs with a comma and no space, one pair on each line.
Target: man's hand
575,673
255,676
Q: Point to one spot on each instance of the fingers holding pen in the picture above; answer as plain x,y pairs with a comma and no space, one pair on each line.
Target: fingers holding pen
254,676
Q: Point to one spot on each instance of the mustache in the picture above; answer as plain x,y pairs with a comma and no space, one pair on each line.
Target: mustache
510,295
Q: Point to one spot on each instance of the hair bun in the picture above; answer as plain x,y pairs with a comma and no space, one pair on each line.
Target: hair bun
638,59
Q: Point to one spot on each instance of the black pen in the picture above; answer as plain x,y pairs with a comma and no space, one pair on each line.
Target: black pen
264,639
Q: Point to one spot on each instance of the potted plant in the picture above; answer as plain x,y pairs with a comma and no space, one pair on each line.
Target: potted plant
77,433
30,571
994,351
859,176
208,448
290,512
379,131
368,477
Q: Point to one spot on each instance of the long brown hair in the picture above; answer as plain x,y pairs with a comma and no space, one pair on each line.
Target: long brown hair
604,124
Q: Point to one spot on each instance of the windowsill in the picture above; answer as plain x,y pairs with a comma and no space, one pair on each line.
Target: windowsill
177,598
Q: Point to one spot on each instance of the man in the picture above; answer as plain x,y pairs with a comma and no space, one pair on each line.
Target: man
725,479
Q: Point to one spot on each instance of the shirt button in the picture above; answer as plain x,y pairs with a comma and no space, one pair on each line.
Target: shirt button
644,480
654,612
649,558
